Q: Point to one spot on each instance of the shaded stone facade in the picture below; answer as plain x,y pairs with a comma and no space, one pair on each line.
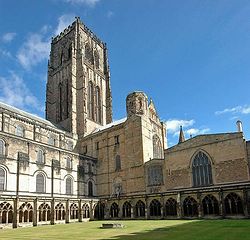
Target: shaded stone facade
79,165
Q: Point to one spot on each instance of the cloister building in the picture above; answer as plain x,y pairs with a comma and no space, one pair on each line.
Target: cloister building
79,164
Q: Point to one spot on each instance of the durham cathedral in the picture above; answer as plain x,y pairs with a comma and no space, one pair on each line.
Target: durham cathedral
80,165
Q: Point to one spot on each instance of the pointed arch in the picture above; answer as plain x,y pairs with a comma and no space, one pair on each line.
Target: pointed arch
85,210
201,170
69,185
210,205
114,210
88,53
40,183
60,212
73,211
6,213
98,105
91,99
155,208
40,159
157,147
90,189
99,210
140,207
190,207
26,213
97,59
233,204
171,207
126,209
44,212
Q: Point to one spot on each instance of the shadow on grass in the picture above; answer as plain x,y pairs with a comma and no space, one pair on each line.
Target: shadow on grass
199,230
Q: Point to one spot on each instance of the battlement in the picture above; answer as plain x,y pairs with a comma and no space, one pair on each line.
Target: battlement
72,26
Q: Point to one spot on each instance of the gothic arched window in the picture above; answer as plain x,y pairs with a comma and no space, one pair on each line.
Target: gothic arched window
44,212
114,210
19,131
2,147
155,208
90,189
91,100
2,179
69,186
98,105
201,170
210,205
40,183
233,204
40,157
157,148
140,209
97,59
88,53
190,207
126,210
51,140
118,163
171,207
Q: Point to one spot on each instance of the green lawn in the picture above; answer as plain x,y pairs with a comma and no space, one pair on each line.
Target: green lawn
134,230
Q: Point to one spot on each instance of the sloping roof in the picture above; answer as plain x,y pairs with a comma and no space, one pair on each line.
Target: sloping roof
205,139
27,115
110,125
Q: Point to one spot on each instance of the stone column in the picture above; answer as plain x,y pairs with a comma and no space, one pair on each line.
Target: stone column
67,217
179,207
119,209
80,210
52,212
245,202
15,213
199,205
35,215
162,207
147,210
132,210
91,211
221,204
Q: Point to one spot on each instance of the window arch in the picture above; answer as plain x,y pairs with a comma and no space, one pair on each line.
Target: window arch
51,140
25,213
88,53
171,207
201,170
90,189
2,147
44,212
85,210
73,211
190,207
140,209
19,131
91,100
2,179
68,163
69,186
98,105
97,59
99,210
60,212
118,163
40,183
155,208
114,210
6,211
126,209
233,204
210,205
157,148
40,157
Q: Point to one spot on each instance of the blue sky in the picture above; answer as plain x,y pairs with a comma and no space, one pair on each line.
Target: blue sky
191,57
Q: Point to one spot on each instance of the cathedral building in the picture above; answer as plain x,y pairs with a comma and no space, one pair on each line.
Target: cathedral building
78,164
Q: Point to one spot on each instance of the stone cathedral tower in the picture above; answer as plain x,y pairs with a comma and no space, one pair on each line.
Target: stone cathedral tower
78,89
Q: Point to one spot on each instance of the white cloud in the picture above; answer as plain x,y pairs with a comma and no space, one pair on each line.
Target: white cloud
110,14
34,50
8,37
173,125
196,131
235,110
63,22
5,53
90,3
15,92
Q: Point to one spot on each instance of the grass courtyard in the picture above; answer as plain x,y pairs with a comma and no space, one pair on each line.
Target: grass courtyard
145,230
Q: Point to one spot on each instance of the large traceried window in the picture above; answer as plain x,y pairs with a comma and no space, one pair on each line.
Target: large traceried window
98,105
91,100
97,59
2,147
157,148
89,54
2,179
69,186
40,183
19,131
201,170
40,157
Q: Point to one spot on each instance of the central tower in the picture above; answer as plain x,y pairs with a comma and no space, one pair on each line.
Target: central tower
78,96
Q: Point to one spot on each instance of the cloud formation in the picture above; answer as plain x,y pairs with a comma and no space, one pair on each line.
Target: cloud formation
33,51
90,3
235,110
63,22
15,92
8,37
